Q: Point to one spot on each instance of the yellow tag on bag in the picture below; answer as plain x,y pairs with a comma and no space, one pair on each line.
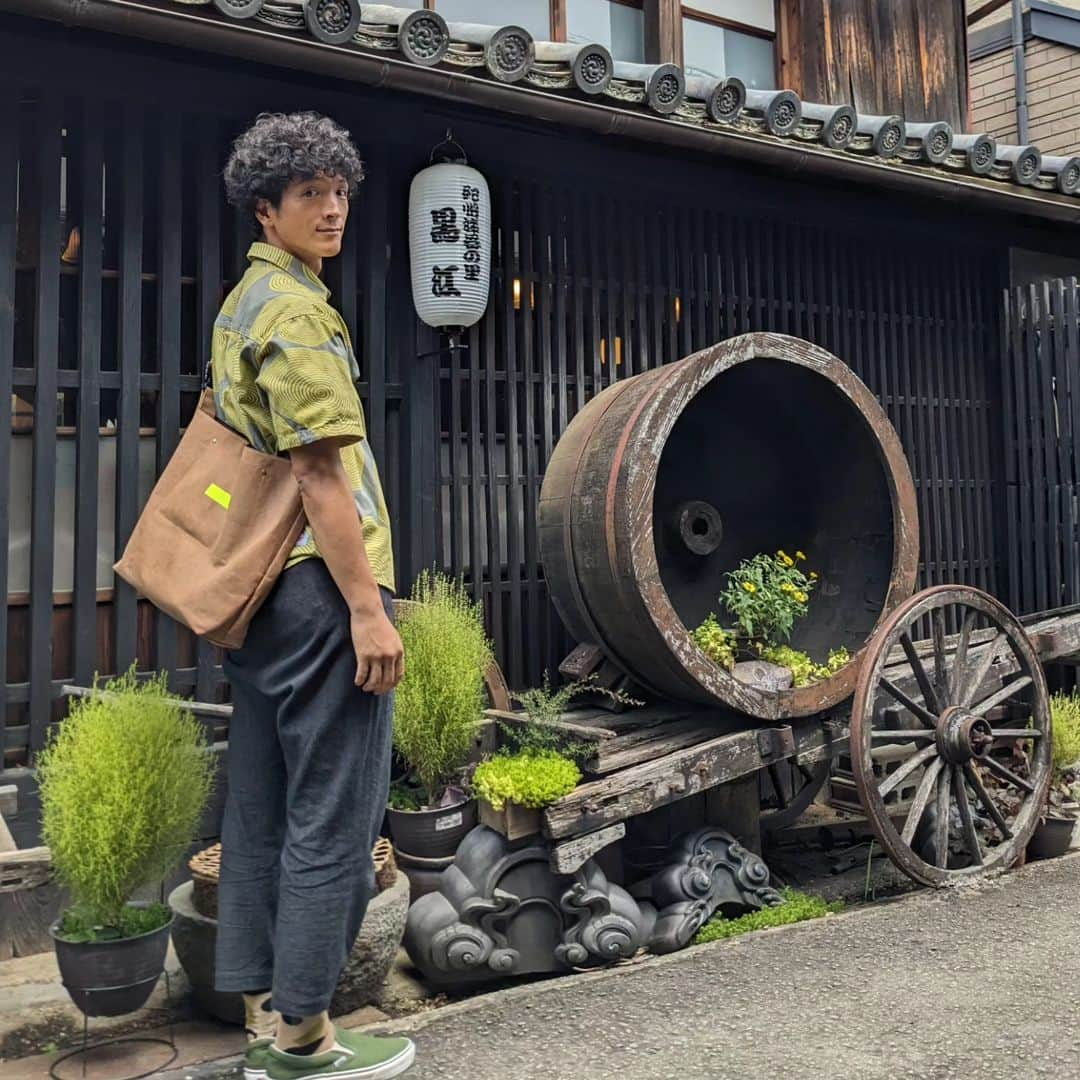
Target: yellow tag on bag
219,495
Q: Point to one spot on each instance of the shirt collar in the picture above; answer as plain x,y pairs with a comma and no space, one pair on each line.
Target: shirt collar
290,264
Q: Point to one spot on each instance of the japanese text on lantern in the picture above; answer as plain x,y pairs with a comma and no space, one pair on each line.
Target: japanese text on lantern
470,213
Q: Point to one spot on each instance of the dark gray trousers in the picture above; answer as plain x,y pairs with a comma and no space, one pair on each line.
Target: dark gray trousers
309,772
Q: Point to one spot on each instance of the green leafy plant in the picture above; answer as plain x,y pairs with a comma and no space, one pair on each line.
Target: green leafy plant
797,907
1065,720
766,594
532,779
543,707
718,644
124,781
440,701
803,670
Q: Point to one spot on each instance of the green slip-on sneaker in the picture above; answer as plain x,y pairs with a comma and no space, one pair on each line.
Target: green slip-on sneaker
354,1057
255,1059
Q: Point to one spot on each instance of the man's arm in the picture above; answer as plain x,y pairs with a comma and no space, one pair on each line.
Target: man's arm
332,514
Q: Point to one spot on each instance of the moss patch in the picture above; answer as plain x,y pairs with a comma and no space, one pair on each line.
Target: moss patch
797,907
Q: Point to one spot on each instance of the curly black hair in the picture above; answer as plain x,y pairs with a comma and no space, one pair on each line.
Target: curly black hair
280,148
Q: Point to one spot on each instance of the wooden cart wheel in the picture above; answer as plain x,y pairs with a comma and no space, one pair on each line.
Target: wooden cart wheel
790,788
973,708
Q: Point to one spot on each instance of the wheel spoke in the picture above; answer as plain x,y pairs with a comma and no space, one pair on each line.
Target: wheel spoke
902,735
804,772
941,824
922,797
1008,775
941,672
991,807
971,837
1007,691
1016,733
778,784
960,656
893,780
911,705
982,667
920,674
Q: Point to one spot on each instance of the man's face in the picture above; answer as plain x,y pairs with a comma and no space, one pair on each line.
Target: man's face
310,221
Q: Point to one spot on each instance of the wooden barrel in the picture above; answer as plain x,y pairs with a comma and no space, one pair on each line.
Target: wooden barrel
666,481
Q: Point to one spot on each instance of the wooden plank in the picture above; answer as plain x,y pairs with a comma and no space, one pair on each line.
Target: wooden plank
648,744
169,308
85,600
47,140
1072,385
129,337
657,783
567,727
570,857
9,170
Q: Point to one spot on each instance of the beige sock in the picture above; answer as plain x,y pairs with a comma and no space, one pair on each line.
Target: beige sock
311,1029
260,1021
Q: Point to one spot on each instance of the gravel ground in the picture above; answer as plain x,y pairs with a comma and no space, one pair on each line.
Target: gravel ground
977,983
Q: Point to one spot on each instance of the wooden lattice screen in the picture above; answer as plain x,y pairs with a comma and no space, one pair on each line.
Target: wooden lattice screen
609,261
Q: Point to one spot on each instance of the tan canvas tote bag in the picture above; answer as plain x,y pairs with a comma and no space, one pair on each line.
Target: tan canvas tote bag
216,531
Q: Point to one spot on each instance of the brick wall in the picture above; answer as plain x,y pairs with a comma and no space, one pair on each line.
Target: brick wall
1053,73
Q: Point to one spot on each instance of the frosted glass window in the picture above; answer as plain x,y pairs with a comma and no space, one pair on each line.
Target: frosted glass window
533,15
715,50
620,27
760,14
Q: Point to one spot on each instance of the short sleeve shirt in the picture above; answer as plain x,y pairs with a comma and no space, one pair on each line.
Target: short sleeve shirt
284,376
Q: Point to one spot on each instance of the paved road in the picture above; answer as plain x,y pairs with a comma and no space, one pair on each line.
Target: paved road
978,983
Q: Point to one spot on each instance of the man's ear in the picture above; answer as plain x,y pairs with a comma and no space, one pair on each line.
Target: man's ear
262,211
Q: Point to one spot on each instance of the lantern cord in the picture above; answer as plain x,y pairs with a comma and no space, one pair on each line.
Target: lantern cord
450,141
454,344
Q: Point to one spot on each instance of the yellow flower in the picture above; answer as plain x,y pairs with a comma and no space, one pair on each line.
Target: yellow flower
749,586
788,587
813,575
785,558
801,556
801,597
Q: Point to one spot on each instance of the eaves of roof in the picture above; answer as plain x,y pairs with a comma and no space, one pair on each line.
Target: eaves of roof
1041,19
503,68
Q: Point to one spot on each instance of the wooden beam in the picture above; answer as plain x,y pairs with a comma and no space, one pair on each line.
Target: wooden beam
982,11
574,854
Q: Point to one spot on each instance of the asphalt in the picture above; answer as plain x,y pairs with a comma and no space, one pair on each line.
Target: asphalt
980,983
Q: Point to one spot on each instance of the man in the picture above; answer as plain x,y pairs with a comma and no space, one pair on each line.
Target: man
309,741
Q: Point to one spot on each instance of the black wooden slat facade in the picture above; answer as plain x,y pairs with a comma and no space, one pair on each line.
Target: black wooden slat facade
608,261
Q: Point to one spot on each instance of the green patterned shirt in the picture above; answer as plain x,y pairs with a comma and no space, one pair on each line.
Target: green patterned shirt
284,376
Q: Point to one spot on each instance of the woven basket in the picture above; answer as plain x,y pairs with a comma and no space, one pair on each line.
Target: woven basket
206,870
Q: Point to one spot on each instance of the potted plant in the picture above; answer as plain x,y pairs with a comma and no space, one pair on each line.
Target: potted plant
438,707
1054,833
124,781
514,788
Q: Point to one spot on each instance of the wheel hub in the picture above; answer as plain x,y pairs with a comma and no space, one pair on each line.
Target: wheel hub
963,735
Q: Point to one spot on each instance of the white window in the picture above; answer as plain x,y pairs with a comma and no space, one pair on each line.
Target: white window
617,24
731,37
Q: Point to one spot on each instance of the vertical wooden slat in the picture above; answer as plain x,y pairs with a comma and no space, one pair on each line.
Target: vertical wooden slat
1009,331
129,335
514,515
654,245
207,195
730,289
560,209
1039,509
962,402
375,229
1061,429
84,603
530,288
716,288
46,360
1047,429
941,421
495,476
9,164
1021,322
671,285
170,136
978,278
1072,370
646,344
547,290
609,225
577,256
700,275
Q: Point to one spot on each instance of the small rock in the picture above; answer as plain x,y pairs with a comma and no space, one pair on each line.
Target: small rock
762,675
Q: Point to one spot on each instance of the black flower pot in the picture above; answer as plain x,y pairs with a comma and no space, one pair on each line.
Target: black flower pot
111,978
432,834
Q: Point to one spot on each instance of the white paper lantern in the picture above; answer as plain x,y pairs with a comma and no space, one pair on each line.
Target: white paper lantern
450,242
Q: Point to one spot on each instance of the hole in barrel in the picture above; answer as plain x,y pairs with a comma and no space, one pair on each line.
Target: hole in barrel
786,461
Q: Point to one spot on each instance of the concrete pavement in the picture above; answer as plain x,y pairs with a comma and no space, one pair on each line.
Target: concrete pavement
978,983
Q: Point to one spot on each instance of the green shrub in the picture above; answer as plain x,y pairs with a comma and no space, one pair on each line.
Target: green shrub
440,701
718,644
1065,719
803,670
766,594
543,708
124,781
797,907
531,779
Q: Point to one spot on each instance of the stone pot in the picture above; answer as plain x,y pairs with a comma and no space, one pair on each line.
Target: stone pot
424,875
195,936
111,978
432,834
1052,837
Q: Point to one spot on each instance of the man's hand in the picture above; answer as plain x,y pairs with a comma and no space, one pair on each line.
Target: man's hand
380,656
